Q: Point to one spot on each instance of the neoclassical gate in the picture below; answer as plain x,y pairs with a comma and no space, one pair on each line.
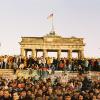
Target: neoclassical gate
52,42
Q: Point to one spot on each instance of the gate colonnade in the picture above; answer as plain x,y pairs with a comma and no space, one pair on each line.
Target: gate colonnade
52,42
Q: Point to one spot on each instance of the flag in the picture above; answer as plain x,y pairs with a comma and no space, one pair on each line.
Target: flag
50,16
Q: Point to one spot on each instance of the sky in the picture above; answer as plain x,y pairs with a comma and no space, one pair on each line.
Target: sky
79,18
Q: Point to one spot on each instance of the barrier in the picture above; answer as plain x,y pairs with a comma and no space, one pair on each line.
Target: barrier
32,73
7,73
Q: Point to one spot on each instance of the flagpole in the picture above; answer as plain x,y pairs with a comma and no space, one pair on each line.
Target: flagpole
52,30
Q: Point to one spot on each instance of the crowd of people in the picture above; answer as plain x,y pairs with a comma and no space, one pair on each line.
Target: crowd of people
16,62
80,88
50,87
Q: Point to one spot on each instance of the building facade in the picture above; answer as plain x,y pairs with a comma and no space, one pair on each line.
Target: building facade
52,42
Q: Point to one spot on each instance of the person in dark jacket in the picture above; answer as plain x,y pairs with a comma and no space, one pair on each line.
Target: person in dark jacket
7,95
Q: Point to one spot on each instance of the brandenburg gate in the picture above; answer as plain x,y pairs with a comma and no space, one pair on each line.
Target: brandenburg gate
52,42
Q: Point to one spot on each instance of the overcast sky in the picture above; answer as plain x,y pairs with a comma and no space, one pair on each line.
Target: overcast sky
79,18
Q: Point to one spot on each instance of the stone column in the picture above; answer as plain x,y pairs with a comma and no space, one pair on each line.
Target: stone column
70,54
44,53
33,53
59,54
78,54
22,52
81,54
